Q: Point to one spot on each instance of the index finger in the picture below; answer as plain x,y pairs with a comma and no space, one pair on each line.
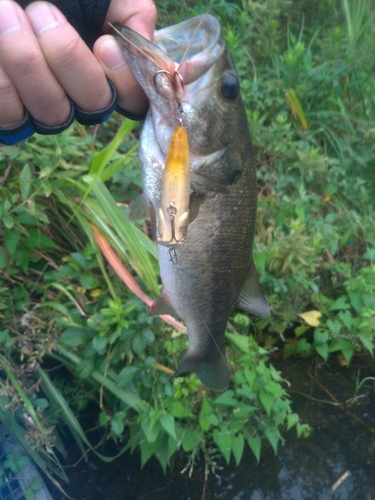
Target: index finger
140,16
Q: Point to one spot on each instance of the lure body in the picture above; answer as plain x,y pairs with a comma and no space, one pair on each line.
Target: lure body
175,193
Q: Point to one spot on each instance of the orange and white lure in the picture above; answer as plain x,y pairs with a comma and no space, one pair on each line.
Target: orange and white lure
175,194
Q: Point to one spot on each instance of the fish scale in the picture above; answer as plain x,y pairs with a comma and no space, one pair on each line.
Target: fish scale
213,267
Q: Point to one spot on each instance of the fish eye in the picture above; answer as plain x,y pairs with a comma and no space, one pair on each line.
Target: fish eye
229,86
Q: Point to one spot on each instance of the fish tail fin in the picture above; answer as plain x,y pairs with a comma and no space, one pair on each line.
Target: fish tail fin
212,372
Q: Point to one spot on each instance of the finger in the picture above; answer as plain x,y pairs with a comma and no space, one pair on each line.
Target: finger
69,58
130,95
24,63
139,15
11,106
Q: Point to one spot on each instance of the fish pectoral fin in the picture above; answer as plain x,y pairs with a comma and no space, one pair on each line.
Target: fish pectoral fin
204,182
212,372
161,306
251,298
138,209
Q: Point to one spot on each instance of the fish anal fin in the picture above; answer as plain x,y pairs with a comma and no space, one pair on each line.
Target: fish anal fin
138,209
161,306
251,298
212,372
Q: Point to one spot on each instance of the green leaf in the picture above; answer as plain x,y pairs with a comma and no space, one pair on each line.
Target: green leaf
88,281
180,411
367,342
275,389
321,343
22,258
8,221
255,444
275,374
11,239
191,438
117,425
84,368
322,349
25,182
320,337
99,344
292,419
37,239
300,330
334,326
340,304
74,336
356,301
168,424
138,344
267,400
223,441
151,428
206,416
346,318
250,376
147,450
273,436
238,443
41,403
345,346
126,375
226,399
148,336
303,347
241,341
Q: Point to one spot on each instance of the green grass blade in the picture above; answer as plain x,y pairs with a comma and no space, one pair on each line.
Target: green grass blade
69,417
130,236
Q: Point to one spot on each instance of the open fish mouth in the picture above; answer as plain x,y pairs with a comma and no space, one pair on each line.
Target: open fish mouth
179,55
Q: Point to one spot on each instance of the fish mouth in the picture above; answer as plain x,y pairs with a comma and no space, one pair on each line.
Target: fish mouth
189,49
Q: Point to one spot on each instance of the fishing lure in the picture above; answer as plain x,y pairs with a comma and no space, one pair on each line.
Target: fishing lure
175,193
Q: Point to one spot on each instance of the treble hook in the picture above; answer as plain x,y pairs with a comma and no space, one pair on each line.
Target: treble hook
173,80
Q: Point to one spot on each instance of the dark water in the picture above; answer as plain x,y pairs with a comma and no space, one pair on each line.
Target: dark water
342,441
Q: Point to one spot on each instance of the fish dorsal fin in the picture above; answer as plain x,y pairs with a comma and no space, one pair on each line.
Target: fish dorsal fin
161,306
138,209
251,298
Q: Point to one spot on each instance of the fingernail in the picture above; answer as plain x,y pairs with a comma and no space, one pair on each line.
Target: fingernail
43,17
9,18
111,54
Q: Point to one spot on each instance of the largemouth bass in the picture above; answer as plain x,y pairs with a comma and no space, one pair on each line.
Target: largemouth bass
190,80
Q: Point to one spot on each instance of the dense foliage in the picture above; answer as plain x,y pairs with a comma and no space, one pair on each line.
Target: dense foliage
306,70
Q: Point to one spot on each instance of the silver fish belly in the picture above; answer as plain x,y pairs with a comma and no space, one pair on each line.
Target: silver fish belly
213,267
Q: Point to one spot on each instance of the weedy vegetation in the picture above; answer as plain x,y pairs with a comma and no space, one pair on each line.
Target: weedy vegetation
306,70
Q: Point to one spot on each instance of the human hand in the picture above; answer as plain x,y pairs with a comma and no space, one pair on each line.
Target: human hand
43,60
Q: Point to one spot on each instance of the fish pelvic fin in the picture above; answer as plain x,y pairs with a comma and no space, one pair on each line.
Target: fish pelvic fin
138,209
161,306
251,298
212,372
